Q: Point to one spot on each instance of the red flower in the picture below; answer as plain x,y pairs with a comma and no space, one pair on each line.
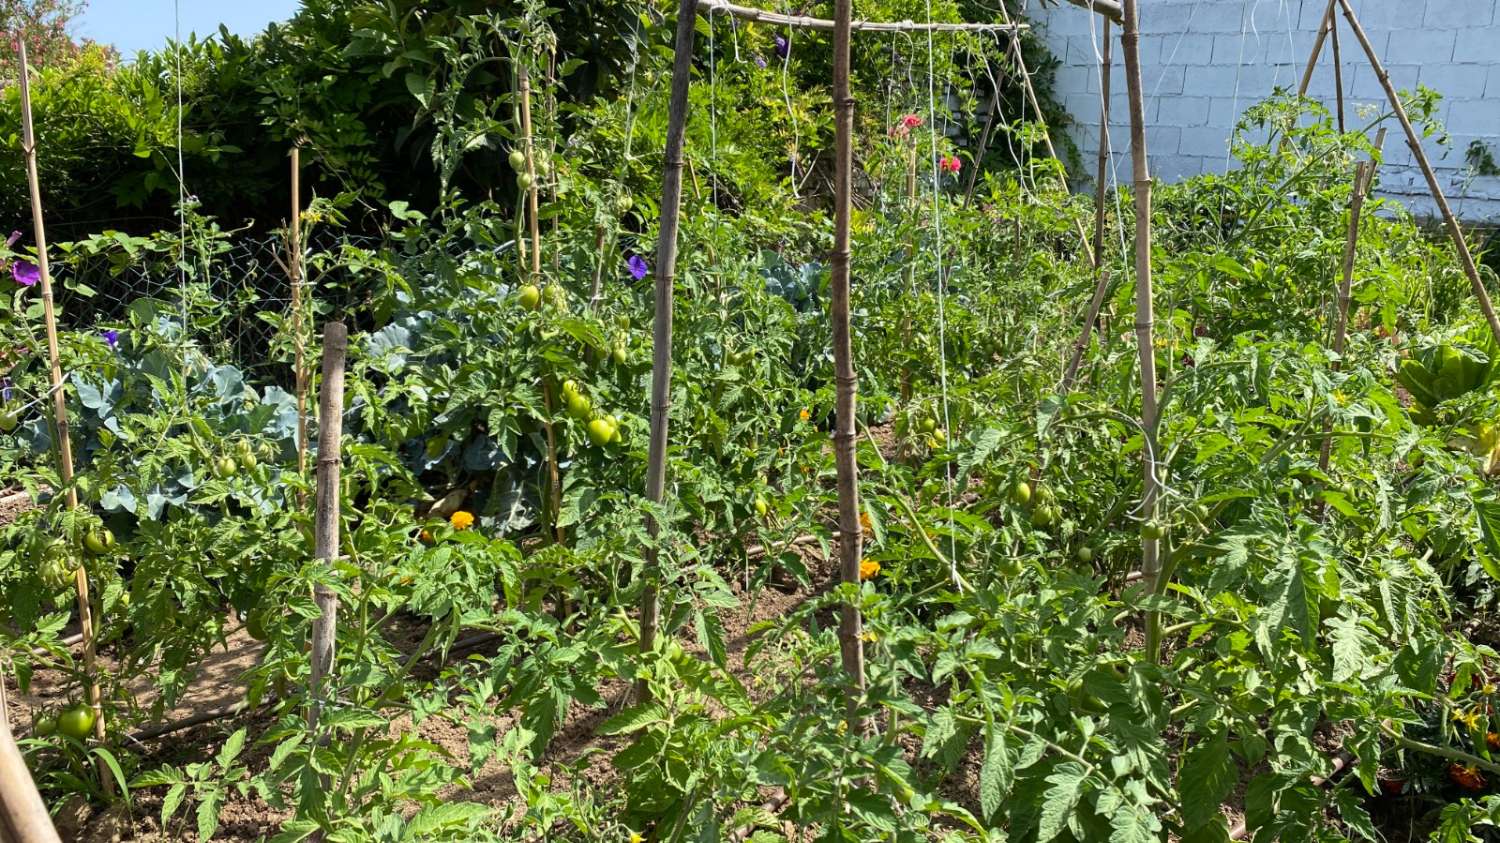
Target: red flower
904,126
951,164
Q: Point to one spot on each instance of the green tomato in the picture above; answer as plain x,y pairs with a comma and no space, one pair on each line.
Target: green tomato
98,542
517,160
622,322
1020,493
8,422
1153,530
570,387
601,432
525,182
1009,566
77,722
246,454
579,406
761,506
1043,516
44,726
624,204
530,297
1085,554
225,467
927,424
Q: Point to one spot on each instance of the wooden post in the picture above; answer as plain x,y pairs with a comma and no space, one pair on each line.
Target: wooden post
846,384
1338,75
330,436
1144,314
984,144
299,338
1101,177
1364,175
1415,142
59,397
661,333
23,814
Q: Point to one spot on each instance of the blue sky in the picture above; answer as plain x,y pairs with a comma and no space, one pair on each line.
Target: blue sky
133,25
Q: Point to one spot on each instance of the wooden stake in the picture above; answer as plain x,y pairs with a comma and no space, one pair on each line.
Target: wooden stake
1338,75
1101,178
661,334
1317,49
1110,9
1144,314
1364,175
1412,140
299,339
59,399
1036,108
533,219
330,463
846,383
984,145
23,814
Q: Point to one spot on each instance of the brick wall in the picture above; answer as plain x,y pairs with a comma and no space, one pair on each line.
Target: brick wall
1204,61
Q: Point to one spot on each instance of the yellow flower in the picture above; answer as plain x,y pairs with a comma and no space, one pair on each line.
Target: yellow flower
635,837
869,637
865,522
461,520
805,414
1340,397
1468,718
869,569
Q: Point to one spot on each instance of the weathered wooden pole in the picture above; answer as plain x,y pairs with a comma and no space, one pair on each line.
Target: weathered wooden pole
846,384
1324,27
23,814
59,396
326,524
1414,141
661,333
1144,313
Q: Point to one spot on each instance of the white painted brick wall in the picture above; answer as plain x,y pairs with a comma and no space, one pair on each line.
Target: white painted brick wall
1205,61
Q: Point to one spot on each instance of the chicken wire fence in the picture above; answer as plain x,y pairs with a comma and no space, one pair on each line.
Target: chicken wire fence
244,281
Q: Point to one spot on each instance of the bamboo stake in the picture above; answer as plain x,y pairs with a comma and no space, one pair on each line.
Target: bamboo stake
59,398
1144,316
1110,9
1036,108
709,8
846,383
984,145
1082,343
1338,75
299,340
23,814
661,334
1324,28
330,436
1413,141
1362,173
533,220
1101,287
1101,177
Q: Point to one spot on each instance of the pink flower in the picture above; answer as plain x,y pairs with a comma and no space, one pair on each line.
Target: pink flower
951,164
904,126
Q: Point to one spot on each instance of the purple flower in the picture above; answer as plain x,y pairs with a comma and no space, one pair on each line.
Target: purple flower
14,236
760,62
111,337
783,47
5,390
638,267
25,273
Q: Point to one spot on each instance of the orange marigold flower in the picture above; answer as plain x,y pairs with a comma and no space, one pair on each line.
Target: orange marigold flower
461,520
869,569
805,414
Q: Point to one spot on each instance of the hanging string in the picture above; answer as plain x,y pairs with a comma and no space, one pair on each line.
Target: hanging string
181,182
942,286
786,95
